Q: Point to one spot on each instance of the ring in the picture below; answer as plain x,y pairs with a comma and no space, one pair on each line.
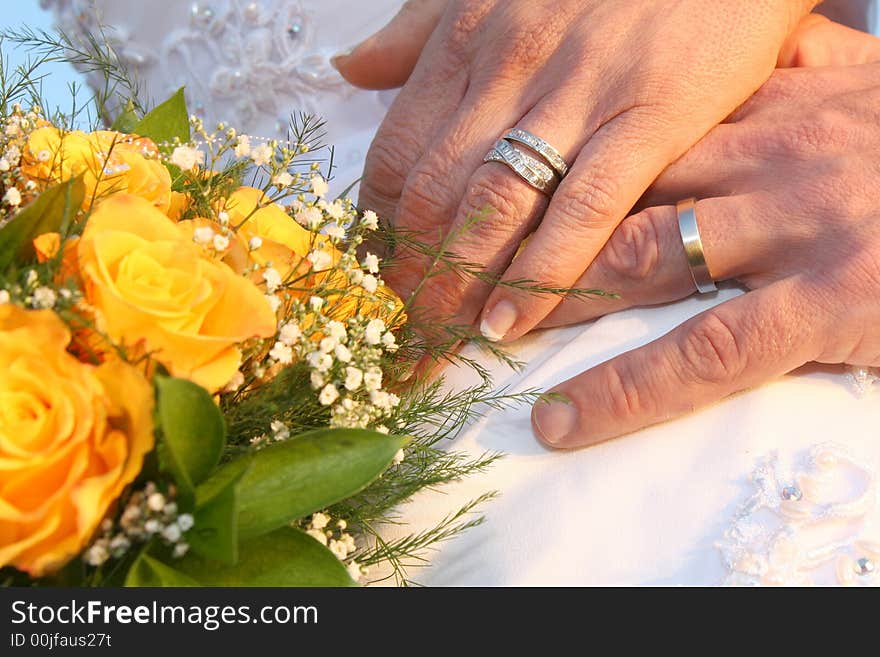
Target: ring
535,173
554,158
693,246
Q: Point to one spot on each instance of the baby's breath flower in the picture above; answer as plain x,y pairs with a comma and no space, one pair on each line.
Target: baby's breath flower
282,353
319,362
342,353
370,220
44,297
354,377
223,218
335,210
186,157
4,165
371,263
282,180
272,279
255,243
274,302
203,235
338,548
243,146
318,535
320,520
12,197
221,243
317,379
335,231
370,283
373,378
316,303
319,186
262,155
374,331
389,341
354,570
336,329
290,333
356,276
280,431
329,394
156,502
4,297
310,217
321,260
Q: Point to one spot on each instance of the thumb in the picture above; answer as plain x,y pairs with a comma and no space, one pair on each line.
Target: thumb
386,59
818,41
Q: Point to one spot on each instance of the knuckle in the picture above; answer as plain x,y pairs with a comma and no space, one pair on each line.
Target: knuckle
467,18
633,252
507,196
626,398
388,163
527,46
425,200
587,202
711,351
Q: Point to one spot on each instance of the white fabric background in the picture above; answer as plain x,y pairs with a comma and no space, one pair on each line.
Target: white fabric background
644,509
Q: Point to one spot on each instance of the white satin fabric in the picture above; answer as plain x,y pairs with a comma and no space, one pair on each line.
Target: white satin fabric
649,508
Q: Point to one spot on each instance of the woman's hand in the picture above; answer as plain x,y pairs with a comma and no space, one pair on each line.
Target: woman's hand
622,89
788,205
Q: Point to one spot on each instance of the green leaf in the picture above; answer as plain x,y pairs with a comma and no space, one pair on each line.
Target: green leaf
215,532
285,557
127,120
289,480
147,571
51,212
193,431
166,121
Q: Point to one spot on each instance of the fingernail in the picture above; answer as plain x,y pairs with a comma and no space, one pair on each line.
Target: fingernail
334,60
499,321
554,421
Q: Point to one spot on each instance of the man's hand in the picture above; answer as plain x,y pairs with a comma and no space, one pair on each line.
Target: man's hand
622,89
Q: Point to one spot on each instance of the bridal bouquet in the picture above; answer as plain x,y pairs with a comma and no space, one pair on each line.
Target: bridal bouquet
201,370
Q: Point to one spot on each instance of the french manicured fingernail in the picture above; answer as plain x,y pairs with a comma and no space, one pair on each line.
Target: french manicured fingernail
334,61
499,321
554,421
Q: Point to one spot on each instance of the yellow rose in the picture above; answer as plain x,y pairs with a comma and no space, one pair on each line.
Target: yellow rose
152,288
286,244
110,162
72,437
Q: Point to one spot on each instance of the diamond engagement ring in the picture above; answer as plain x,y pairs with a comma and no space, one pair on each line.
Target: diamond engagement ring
534,172
551,155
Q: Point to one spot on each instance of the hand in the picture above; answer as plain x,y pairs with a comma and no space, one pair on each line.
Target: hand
622,89
788,190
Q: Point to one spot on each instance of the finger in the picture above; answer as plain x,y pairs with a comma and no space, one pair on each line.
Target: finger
507,207
818,41
430,97
645,264
737,345
386,59
610,174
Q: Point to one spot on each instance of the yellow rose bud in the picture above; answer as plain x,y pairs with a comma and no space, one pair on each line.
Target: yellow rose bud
110,162
72,437
153,289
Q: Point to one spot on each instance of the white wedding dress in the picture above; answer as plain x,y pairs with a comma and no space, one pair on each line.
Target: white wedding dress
777,485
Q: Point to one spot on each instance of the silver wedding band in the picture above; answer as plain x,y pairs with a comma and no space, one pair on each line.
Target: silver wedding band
693,246
536,173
